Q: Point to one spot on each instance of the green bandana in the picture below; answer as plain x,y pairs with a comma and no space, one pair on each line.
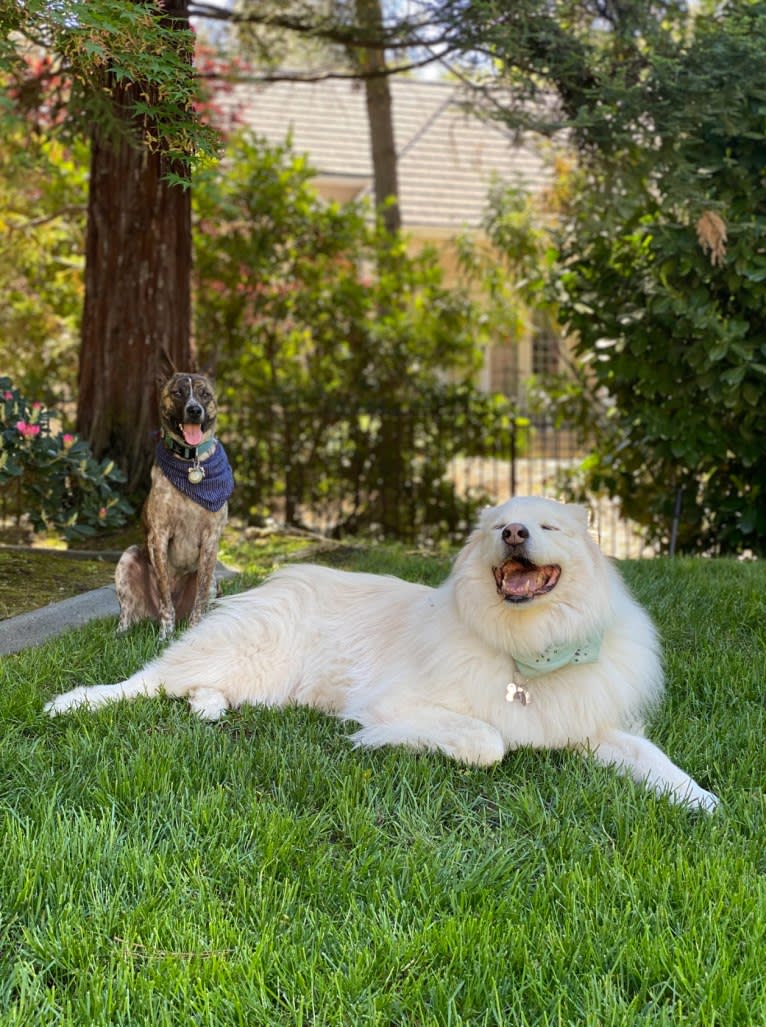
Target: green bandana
557,656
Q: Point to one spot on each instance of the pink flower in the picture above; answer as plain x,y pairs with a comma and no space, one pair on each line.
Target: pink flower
67,440
102,512
27,430
7,395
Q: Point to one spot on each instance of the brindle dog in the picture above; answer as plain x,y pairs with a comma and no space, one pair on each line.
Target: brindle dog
173,575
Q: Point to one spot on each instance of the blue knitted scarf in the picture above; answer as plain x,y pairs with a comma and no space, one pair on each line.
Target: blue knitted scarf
214,489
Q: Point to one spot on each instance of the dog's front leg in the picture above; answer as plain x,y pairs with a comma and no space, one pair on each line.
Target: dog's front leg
157,544
648,765
208,553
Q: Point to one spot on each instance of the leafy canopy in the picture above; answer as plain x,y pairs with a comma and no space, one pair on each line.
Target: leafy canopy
63,60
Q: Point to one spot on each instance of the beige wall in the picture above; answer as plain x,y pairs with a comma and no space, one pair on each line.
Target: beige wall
505,367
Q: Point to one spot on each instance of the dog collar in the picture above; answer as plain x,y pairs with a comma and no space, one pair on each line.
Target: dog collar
187,452
553,658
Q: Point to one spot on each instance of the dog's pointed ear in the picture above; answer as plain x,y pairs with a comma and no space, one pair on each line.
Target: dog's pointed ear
166,367
207,366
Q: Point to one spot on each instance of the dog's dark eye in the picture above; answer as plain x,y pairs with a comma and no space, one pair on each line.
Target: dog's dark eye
548,527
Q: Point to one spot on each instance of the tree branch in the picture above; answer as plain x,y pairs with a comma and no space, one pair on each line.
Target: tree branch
404,35
71,208
322,76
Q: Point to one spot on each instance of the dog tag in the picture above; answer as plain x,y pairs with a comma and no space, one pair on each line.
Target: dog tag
196,474
515,693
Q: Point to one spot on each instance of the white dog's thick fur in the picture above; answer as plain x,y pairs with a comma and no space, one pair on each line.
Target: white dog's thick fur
430,668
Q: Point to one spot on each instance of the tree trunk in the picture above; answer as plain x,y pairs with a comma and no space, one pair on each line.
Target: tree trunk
380,117
137,288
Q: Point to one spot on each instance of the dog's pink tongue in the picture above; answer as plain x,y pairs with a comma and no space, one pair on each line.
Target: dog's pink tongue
516,579
192,434
520,582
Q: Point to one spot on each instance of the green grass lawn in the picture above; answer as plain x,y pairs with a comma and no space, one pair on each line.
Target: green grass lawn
157,870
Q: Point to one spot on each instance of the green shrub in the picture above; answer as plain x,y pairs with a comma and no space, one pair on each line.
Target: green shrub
344,363
663,267
53,478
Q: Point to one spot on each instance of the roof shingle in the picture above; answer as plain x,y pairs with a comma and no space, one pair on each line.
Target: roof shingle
448,157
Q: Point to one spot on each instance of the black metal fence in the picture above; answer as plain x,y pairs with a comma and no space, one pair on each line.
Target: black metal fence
415,473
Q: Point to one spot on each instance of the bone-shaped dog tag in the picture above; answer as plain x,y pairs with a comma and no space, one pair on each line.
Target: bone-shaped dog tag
517,693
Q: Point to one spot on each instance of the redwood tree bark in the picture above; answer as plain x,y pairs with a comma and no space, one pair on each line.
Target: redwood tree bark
137,306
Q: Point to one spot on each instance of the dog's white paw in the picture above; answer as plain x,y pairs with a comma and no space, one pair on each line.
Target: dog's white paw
462,738
477,747
697,798
208,703
67,701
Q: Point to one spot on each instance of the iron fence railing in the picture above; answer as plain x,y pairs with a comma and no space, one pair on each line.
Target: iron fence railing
387,471
404,472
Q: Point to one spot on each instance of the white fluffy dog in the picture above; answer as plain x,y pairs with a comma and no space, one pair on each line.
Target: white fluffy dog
533,640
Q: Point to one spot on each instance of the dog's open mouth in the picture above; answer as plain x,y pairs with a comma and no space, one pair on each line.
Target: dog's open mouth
192,433
519,580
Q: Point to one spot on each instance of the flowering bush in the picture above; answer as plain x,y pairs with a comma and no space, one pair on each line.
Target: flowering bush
58,482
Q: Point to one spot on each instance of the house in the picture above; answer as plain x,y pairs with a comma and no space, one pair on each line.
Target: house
448,157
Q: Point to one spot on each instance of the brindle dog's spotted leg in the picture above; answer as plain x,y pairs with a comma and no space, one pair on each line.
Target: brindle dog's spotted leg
136,588
157,543
205,575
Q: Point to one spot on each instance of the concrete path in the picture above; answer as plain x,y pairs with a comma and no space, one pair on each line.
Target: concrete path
37,626
34,628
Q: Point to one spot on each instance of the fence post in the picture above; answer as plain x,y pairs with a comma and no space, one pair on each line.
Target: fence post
512,481
676,521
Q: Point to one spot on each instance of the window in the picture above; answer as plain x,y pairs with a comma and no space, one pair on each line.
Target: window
546,347
504,368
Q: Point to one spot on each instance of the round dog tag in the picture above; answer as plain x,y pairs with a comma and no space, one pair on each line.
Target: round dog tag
195,474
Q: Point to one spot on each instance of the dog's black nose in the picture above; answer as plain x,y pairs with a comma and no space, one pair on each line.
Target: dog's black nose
193,411
515,534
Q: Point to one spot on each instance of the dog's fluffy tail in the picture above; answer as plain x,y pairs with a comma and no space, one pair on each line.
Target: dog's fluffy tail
145,682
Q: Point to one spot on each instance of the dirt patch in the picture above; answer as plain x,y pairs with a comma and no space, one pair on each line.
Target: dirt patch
33,578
